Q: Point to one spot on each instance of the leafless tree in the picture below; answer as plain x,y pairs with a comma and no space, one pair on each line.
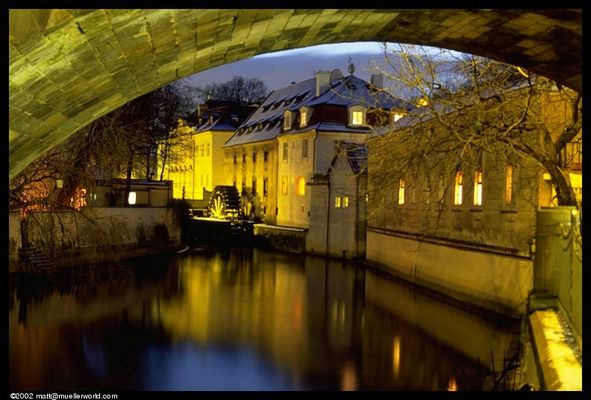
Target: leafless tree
465,105
239,89
126,142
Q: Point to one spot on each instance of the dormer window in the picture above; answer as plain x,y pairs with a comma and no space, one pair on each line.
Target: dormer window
397,115
357,115
304,116
287,120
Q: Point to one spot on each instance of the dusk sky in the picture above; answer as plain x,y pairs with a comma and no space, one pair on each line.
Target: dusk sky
279,69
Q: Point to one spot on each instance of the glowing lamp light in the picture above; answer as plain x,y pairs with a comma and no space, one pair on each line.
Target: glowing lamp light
131,198
422,102
59,184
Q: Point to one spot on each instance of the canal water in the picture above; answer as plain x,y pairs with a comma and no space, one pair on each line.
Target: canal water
245,319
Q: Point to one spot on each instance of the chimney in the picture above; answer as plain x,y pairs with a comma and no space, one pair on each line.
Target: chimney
322,82
377,81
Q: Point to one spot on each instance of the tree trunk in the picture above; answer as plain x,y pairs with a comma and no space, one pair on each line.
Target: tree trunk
164,157
148,165
564,190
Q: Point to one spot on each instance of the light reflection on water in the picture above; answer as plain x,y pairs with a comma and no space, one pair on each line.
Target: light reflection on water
245,320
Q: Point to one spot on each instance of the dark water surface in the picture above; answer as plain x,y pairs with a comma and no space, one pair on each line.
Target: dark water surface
244,320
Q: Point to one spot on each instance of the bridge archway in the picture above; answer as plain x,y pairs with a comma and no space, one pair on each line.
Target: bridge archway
70,67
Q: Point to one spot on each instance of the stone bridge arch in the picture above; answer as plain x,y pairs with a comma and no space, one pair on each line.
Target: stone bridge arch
69,67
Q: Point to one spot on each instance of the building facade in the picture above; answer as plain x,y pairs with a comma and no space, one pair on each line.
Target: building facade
465,227
285,152
196,159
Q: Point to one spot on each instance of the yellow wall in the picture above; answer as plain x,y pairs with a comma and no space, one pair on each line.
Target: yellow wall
198,165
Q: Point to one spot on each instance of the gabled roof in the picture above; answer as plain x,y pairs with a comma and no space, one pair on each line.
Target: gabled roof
356,154
266,122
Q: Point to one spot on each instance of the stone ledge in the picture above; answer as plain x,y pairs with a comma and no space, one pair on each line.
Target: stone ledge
555,359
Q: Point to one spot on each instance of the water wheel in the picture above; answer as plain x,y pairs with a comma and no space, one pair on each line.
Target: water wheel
224,203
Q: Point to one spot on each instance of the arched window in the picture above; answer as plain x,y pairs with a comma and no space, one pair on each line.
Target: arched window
287,120
459,183
304,116
478,188
401,186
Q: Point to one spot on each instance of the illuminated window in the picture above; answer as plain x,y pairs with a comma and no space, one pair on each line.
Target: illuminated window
508,184
287,120
131,198
303,117
357,115
478,188
357,118
284,185
459,182
345,201
401,192
397,116
337,202
301,186
304,149
285,151
265,186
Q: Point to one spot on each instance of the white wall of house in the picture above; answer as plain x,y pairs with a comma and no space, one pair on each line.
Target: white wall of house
293,199
293,209
337,212
342,229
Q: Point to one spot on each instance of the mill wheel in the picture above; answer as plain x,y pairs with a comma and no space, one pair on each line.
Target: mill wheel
224,203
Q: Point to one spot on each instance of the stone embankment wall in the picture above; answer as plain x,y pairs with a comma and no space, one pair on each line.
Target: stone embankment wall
93,231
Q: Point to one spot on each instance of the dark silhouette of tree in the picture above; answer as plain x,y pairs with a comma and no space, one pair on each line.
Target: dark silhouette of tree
126,142
239,89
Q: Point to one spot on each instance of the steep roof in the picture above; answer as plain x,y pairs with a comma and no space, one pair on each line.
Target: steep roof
266,122
356,155
221,116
